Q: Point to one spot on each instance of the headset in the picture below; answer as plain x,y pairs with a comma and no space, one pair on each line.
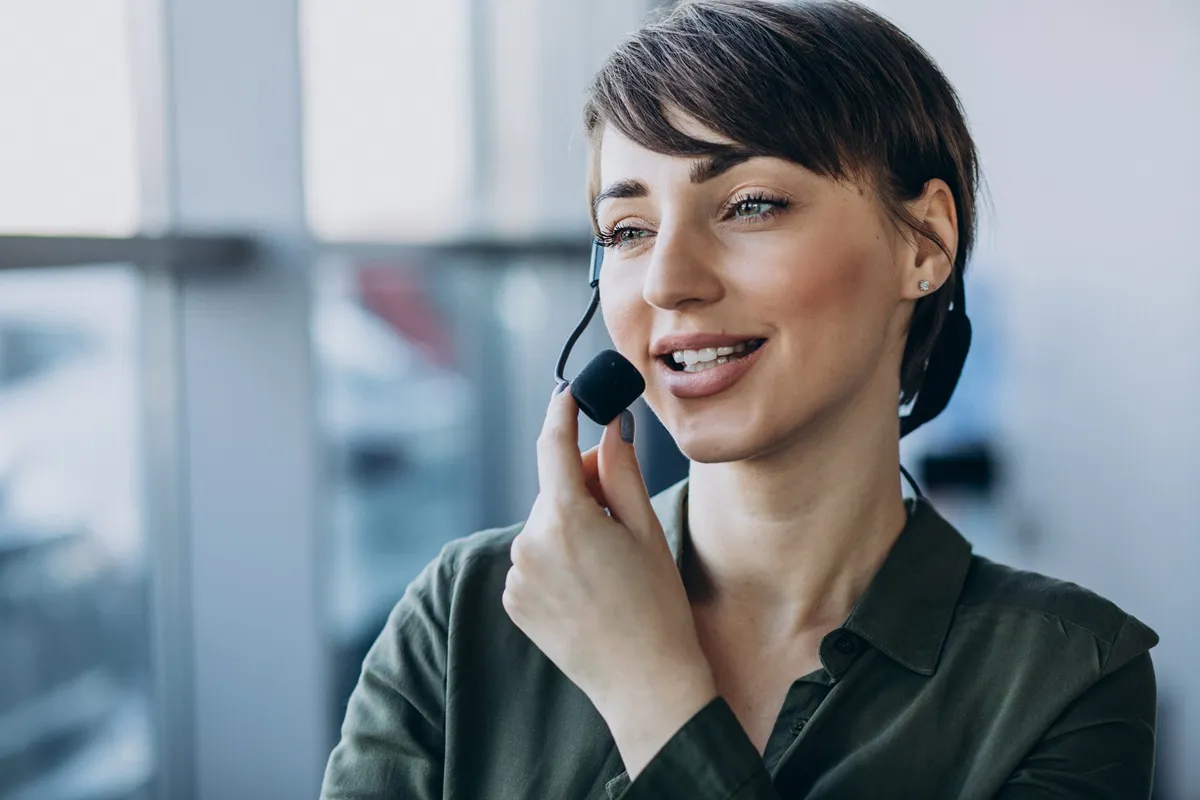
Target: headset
609,383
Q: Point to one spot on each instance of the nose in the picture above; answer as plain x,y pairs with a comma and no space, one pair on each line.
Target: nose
682,271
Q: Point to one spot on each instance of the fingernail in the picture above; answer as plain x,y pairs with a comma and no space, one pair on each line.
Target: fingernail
558,389
627,426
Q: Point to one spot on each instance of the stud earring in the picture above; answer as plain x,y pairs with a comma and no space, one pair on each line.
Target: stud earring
923,286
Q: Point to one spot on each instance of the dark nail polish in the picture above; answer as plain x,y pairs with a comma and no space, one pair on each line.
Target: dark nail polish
558,389
627,426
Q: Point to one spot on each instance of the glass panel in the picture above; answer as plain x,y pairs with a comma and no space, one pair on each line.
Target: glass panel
424,120
396,412
75,716
387,123
67,148
434,381
536,60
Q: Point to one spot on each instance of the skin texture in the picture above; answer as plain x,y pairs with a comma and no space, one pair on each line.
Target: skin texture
794,498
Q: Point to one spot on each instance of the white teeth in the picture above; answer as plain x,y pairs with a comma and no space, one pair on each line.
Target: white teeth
707,357
703,365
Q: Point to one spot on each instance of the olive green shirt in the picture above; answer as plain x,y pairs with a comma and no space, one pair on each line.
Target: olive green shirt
953,677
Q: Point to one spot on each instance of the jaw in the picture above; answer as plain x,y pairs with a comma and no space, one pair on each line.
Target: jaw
713,429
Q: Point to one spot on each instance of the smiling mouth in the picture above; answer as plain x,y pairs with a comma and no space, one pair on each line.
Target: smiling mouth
709,357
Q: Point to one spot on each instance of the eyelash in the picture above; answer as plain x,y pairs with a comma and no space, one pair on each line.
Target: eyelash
610,237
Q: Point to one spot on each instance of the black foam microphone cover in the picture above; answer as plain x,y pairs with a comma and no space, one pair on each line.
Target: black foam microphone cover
607,386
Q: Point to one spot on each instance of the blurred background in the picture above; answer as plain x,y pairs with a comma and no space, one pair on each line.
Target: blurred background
281,288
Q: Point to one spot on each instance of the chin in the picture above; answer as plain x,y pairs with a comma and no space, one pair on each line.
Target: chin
710,444
738,432
714,452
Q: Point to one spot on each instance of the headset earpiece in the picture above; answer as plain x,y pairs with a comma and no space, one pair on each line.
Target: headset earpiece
945,365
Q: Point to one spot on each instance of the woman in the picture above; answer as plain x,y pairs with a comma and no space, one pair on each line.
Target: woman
786,195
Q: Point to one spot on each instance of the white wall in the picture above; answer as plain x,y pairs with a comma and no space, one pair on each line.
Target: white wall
1087,115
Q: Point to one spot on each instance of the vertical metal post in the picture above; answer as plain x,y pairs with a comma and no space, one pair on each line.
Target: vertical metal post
245,667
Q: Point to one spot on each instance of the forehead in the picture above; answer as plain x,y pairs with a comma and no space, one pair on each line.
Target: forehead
621,157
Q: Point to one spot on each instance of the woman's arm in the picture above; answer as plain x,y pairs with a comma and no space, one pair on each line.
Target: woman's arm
1101,747
393,739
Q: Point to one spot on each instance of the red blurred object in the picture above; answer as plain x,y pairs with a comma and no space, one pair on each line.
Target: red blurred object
392,293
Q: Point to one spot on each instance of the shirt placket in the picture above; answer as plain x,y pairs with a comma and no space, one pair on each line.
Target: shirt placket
802,701
839,650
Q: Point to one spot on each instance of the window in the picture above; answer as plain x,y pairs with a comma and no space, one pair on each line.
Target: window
67,149
398,422
75,708
387,122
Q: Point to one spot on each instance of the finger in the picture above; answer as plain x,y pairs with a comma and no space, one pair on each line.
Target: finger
560,465
591,475
621,477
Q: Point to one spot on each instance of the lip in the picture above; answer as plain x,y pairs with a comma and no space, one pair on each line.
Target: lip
691,385
666,345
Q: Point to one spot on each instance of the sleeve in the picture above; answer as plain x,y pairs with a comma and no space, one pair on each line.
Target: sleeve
393,737
709,758
1102,746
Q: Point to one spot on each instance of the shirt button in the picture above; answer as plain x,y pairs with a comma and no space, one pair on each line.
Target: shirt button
845,646
798,726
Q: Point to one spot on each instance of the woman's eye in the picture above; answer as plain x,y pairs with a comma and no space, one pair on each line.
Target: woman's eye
752,208
626,236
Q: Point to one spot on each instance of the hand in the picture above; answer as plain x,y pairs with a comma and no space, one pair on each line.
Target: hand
600,595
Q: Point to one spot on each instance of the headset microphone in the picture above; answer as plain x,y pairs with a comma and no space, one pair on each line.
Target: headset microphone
609,383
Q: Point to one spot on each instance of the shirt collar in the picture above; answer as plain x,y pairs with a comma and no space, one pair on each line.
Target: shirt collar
671,507
907,608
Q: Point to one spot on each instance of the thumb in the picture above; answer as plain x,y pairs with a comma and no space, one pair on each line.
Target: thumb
621,476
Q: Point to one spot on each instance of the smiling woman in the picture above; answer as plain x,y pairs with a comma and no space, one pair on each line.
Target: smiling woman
785,195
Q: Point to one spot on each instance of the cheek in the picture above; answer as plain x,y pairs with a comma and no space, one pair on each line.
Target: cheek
823,284
626,316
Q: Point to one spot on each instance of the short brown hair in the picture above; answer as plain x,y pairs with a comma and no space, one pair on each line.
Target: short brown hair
827,84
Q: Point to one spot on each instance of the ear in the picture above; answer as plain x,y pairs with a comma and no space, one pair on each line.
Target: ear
936,209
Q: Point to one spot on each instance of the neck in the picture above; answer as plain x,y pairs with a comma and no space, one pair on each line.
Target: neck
791,540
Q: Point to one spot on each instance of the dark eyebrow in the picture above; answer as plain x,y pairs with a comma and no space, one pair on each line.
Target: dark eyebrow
620,189
704,169
713,166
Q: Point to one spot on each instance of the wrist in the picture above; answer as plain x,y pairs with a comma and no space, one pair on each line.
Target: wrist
644,717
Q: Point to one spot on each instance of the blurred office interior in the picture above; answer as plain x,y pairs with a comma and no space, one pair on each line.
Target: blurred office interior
281,288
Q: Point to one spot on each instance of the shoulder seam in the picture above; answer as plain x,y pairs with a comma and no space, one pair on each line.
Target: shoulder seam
1108,656
1059,617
